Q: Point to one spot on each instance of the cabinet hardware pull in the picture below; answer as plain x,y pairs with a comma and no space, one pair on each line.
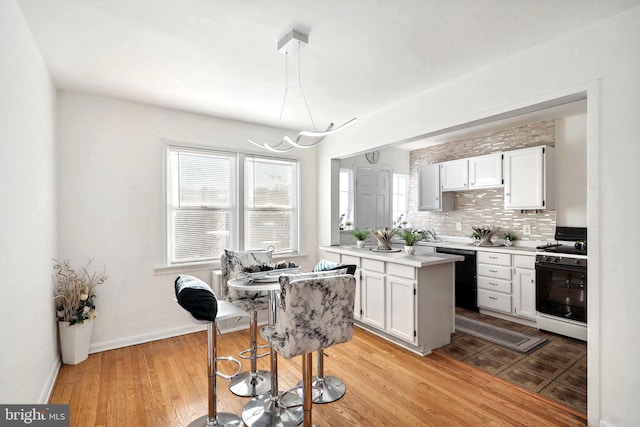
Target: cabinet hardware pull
494,284
493,271
493,298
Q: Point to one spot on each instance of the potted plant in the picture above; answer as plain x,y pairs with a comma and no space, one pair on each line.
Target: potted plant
410,238
509,238
74,297
360,236
475,238
348,225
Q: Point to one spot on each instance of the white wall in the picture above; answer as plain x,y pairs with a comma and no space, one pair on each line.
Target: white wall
28,353
603,61
571,165
390,158
111,206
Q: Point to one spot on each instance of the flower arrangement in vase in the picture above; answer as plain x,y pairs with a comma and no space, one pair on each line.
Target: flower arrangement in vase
74,297
74,293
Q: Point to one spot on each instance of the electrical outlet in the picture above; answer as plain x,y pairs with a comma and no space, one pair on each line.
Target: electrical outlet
526,229
458,226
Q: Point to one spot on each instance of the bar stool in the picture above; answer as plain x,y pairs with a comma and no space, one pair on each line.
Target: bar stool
329,388
198,299
252,382
313,314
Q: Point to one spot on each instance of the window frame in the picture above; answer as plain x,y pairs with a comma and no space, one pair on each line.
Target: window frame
238,228
395,195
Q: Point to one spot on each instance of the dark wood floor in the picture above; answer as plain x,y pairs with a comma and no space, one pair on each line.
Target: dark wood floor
163,383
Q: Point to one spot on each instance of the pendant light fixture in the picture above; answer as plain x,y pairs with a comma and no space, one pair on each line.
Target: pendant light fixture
292,44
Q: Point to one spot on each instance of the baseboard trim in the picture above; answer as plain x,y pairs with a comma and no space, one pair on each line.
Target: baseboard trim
155,336
144,338
50,381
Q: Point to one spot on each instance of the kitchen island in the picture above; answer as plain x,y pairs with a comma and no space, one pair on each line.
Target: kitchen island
406,299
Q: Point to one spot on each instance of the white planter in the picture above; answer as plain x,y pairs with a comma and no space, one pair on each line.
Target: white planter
360,243
410,250
74,341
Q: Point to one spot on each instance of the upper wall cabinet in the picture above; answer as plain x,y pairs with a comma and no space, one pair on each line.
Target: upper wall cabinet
485,171
429,188
529,178
454,175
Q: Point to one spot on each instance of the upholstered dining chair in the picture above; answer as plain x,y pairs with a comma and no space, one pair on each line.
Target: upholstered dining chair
233,263
314,313
199,300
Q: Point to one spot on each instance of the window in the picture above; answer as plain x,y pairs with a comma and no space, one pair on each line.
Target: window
205,216
400,198
271,200
346,197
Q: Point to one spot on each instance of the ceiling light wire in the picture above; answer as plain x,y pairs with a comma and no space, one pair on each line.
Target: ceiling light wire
286,143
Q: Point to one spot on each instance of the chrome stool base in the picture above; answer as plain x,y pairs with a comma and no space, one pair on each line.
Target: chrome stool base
263,411
248,384
223,419
326,390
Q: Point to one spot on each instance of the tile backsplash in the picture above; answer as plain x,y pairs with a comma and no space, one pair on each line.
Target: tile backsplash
483,207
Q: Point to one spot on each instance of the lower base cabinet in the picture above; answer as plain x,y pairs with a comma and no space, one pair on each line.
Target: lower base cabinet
411,306
507,284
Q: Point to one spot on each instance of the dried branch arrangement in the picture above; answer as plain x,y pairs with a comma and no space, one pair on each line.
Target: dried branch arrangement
74,293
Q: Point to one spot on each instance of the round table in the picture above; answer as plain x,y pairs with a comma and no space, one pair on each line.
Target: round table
265,409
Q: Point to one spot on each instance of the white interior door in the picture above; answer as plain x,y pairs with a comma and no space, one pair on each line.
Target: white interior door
373,198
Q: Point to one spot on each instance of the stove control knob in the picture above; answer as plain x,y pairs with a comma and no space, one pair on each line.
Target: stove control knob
557,259
578,262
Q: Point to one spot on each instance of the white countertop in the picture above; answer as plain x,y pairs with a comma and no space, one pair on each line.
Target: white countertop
418,260
517,250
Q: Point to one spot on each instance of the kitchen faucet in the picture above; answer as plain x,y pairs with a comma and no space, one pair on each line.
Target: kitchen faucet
432,233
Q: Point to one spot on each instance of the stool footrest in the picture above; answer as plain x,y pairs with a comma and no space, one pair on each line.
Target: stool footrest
229,359
246,354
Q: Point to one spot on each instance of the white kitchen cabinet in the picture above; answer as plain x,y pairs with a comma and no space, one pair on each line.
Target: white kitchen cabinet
401,308
454,175
407,300
529,178
524,287
357,305
374,292
485,171
494,281
429,188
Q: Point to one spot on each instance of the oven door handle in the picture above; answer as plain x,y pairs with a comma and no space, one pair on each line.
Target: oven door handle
545,266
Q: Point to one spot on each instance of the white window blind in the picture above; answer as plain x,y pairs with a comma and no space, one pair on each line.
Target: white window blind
271,203
200,199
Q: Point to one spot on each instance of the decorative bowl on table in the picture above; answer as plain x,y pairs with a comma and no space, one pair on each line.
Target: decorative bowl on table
485,234
267,271
384,236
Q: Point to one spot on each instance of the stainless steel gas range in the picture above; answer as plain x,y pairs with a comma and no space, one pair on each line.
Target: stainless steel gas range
561,284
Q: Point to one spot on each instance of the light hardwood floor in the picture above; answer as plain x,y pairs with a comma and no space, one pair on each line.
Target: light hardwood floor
163,383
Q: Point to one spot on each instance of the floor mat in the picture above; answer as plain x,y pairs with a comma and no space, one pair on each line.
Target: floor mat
514,340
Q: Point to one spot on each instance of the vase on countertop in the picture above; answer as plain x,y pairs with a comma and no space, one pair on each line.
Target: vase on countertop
74,341
360,243
410,250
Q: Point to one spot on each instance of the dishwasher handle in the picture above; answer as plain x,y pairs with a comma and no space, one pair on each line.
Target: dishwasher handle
453,251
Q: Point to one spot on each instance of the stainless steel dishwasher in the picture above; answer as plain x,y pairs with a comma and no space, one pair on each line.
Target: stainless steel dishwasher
466,284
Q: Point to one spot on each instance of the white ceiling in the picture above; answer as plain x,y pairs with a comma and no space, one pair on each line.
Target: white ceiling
219,57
